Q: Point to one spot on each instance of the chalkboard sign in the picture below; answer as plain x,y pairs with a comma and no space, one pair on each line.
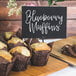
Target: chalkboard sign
43,22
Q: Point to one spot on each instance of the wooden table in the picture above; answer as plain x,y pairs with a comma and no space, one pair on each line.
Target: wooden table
52,66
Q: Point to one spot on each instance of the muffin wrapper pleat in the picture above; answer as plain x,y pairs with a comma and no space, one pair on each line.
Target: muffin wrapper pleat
39,58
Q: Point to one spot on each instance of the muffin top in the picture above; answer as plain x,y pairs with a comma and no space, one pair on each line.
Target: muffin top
2,45
8,34
15,40
21,49
6,55
40,46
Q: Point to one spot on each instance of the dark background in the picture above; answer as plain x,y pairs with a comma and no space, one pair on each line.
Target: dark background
61,11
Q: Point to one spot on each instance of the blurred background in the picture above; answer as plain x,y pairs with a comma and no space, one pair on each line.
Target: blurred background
13,23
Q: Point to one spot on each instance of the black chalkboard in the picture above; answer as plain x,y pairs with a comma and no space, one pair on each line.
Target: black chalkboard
43,22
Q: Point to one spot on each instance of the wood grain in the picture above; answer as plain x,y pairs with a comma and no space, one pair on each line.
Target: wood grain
8,26
71,11
71,26
52,66
56,50
4,10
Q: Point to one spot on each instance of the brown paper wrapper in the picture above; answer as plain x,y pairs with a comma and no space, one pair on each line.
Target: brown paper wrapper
39,58
21,62
5,67
11,45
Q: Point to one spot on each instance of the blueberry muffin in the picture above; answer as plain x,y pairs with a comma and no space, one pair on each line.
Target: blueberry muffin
40,54
22,55
6,62
3,46
15,41
8,35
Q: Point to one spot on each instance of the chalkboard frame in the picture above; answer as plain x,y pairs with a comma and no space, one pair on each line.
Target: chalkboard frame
25,34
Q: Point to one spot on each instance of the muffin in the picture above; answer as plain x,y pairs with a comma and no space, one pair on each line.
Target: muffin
8,35
40,54
69,50
15,41
3,46
6,62
22,55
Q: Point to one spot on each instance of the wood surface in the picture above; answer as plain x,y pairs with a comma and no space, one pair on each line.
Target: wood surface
56,50
10,26
4,10
52,66
71,14
71,11
71,26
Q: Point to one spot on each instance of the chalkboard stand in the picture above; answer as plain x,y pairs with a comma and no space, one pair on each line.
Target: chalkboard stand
42,39
30,40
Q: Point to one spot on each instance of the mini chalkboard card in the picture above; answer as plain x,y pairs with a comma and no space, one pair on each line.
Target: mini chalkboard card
43,22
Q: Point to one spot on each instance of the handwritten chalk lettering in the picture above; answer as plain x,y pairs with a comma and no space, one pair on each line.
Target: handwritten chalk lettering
44,28
43,22
31,16
32,20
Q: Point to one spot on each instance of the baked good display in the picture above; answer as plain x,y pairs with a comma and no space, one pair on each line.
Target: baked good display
15,41
69,50
3,46
31,52
6,62
22,55
40,54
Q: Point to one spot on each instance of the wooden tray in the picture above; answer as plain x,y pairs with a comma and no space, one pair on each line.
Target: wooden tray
57,47
52,66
